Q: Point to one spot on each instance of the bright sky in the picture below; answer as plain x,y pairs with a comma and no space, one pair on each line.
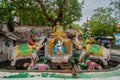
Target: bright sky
89,7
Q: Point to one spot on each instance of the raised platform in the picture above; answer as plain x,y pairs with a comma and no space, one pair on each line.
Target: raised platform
2,58
113,74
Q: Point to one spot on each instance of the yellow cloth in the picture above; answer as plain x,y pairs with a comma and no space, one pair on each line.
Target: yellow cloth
95,53
18,54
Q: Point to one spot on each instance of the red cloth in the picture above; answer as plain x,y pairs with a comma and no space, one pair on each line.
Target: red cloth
31,42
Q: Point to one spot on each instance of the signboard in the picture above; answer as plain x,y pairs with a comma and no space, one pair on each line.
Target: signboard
117,39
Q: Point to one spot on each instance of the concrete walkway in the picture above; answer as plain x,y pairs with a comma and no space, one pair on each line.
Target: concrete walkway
110,78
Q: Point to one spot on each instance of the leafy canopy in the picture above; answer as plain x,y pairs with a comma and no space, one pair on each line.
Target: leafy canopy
116,7
102,23
41,12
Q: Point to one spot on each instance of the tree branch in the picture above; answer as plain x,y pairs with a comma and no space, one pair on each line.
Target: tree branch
44,12
60,12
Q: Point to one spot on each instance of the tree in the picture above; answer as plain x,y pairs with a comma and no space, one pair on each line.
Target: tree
102,23
116,6
73,26
28,12
6,14
64,11
41,12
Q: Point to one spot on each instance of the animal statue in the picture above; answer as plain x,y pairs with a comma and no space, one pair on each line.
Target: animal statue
92,65
93,50
96,52
7,40
40,65
86,63
24,51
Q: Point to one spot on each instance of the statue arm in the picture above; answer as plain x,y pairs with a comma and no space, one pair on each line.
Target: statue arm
80,31
54,28
82,55
76,44
41,46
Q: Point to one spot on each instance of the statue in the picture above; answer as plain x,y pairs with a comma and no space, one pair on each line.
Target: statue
76,41
38,65
74,71
32,39
95,51
57,30
58,47
91,65
24,51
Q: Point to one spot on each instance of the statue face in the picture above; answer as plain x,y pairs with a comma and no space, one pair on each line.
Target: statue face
57,23
59,41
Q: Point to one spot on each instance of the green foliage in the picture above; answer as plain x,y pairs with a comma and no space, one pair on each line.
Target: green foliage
72,12
41,12
73,26
64,11
102,23
6,12
116,4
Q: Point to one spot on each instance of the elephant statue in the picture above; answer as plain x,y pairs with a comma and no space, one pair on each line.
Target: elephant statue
24,51
94,51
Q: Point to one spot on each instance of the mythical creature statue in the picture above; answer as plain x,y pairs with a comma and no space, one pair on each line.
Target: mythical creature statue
93,50
24,51
38,65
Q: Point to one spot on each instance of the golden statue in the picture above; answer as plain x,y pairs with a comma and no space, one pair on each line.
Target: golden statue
58,30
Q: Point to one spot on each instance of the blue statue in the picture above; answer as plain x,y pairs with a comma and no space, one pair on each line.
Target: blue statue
59,47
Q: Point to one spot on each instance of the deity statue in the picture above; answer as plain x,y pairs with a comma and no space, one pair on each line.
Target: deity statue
87,36
32,39
58,30
57,27
59,47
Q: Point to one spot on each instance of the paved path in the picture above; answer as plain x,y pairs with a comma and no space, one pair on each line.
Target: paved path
110,78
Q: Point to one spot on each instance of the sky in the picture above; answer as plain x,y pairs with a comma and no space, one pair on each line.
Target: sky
89,7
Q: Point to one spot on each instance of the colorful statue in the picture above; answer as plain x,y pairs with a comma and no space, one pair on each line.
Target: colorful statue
40,65
86,62
76,41
24,51
92,65
95,51
32,39
59,47
87,36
